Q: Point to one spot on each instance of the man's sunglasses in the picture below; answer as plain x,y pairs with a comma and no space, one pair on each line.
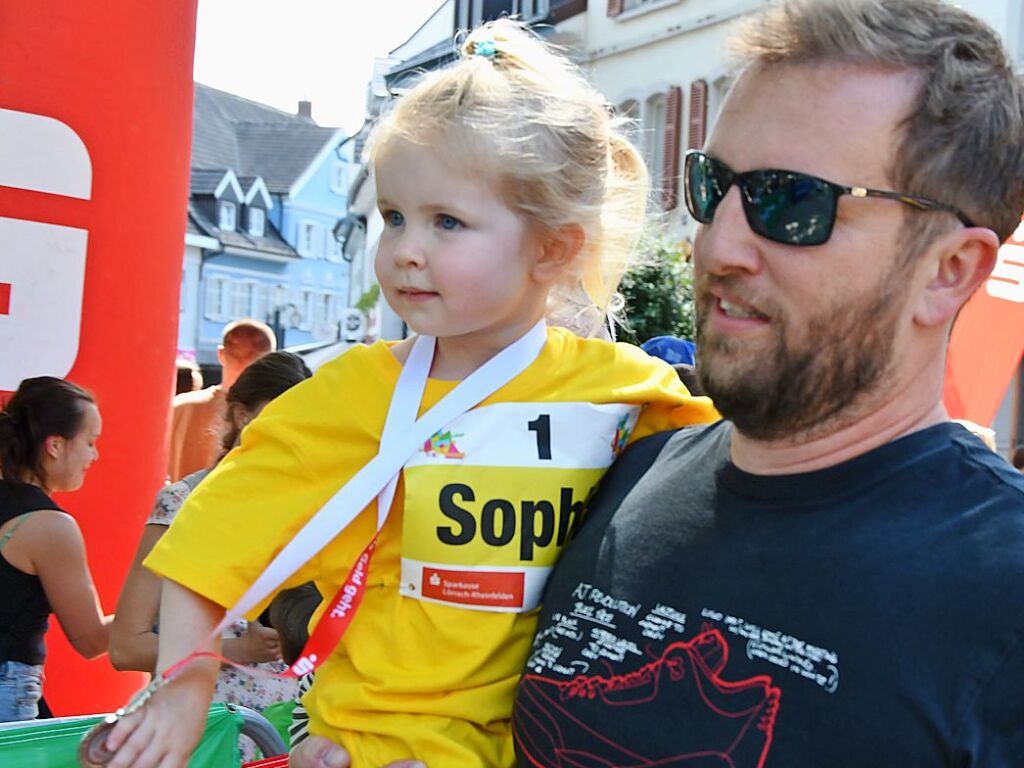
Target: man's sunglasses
782,206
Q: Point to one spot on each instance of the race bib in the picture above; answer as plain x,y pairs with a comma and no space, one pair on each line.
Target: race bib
491,500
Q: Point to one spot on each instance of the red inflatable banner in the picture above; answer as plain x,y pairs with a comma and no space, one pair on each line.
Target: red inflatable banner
988,339
95,122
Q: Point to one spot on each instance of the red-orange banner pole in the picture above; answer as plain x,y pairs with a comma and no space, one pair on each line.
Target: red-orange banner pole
95,124
988,339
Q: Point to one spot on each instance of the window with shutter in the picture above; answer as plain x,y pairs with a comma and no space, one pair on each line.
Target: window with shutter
615,7
213,298
670,149
698,114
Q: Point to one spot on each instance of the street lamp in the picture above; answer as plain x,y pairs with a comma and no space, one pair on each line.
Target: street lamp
350,232
281,304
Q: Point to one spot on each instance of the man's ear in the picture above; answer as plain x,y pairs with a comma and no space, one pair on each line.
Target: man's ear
220,354
557,252
958,263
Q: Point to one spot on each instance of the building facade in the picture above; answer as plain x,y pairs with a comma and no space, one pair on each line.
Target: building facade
268,190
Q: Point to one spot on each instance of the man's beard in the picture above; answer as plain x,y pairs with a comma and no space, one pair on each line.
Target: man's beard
804,387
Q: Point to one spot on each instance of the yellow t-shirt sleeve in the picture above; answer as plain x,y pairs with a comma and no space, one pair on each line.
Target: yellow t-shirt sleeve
303,447
671,405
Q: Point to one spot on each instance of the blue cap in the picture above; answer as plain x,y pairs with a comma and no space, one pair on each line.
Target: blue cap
671,350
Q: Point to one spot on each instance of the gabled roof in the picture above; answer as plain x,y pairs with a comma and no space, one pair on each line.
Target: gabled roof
252,139
271,243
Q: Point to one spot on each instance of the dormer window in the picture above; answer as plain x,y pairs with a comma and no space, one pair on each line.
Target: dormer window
227,216
257,222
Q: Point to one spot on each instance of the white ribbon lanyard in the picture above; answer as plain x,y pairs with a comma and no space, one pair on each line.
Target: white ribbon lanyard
402,436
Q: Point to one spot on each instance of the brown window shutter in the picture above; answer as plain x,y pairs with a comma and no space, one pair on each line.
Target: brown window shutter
615,7
698,114
670,148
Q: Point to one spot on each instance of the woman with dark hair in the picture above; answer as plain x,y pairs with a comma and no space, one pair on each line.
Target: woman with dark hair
48,434
133,643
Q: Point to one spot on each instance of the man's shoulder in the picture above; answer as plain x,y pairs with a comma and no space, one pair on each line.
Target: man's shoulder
701,446
198,398
958,467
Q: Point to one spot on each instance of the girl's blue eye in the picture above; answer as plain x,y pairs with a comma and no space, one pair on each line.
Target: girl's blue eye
393,218
448,222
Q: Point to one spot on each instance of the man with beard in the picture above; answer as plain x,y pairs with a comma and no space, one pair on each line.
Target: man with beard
833,575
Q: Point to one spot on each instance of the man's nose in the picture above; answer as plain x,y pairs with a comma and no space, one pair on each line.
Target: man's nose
728,244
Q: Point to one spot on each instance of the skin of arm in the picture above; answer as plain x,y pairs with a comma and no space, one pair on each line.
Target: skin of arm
133,643
165,731
52,544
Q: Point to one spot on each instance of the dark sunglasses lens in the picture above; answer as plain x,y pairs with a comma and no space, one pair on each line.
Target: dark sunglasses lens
704,186
790,208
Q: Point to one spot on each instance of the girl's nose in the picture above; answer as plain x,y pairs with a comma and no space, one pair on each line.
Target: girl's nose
409,252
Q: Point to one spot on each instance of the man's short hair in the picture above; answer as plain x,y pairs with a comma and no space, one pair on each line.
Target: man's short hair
247,339
962,140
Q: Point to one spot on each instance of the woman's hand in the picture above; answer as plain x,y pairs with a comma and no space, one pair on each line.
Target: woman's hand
258,644
318,752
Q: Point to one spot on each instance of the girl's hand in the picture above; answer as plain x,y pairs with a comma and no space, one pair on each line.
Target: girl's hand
318,752
163,733
258,644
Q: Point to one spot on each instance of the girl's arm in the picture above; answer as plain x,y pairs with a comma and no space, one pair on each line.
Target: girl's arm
165,731
133,643
58,558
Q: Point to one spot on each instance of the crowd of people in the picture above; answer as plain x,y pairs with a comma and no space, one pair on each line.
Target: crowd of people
535,546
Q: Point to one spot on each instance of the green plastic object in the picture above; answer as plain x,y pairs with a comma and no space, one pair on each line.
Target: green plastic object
54,743
280,716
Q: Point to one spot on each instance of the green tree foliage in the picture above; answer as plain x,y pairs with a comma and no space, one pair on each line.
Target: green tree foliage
369,299
658,292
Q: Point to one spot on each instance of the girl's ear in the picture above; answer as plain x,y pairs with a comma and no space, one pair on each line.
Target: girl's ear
240,416
557,252
53,445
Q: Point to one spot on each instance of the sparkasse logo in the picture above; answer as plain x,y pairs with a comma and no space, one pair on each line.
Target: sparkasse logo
42,265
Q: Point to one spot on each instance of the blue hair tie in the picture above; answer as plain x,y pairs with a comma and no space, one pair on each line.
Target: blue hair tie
485,48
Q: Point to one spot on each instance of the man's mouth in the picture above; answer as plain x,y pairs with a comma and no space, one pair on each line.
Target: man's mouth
739,311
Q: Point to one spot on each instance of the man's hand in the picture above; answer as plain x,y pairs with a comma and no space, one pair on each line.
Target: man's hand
318,752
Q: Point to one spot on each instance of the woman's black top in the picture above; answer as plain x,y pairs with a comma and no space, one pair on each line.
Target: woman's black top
24,609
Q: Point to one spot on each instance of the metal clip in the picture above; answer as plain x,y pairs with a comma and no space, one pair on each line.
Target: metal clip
92,750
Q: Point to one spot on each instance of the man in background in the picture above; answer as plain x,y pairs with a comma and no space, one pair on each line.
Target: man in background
196,416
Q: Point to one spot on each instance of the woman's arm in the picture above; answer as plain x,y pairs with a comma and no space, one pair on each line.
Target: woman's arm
133,643
165,731
57,553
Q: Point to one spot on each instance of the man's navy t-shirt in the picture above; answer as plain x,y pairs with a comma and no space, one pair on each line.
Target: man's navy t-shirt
868,614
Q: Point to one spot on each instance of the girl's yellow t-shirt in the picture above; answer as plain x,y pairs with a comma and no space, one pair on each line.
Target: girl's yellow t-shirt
429,665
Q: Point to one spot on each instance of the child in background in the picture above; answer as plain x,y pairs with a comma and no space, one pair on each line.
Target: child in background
509,195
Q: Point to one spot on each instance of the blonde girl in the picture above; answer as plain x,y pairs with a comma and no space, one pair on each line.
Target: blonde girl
509,197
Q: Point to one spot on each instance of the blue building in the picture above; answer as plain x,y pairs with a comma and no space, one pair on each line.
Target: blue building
268,189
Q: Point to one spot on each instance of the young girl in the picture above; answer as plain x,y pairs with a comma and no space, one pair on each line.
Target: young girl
508,195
